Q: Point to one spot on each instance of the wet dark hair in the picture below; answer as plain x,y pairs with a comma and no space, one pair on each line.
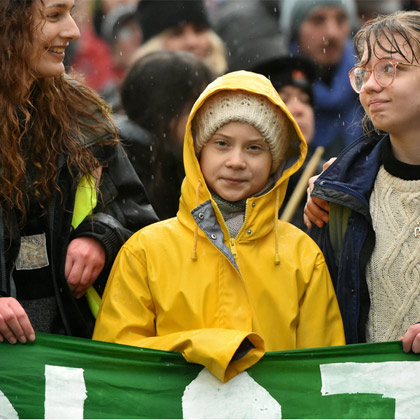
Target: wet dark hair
384,33
160,88
160,85
405,24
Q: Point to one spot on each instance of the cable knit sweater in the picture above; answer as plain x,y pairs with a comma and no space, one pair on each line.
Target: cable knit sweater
393,272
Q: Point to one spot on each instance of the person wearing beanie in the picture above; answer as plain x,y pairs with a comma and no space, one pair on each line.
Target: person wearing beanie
321,30
181,25
293,78
224,108
155,16
225,281
295,12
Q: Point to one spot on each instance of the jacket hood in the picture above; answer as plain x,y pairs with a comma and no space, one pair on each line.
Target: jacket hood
194,185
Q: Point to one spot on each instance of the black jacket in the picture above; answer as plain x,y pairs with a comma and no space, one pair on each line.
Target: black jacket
162,179
122,209
138,144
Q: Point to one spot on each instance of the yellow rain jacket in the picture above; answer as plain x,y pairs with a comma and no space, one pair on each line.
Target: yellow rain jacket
185,285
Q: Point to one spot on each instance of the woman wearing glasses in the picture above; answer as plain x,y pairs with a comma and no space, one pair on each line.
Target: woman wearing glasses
371,193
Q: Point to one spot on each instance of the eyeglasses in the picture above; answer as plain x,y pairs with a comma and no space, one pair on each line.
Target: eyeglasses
384,72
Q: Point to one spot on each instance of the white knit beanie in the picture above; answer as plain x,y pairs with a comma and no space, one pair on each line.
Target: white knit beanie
227,106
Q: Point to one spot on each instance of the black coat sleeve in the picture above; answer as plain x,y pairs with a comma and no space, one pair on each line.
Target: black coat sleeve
123,206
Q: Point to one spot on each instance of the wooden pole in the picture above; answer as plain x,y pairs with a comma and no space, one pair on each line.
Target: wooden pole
302,185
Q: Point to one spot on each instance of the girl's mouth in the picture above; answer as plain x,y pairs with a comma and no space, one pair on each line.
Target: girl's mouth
57,50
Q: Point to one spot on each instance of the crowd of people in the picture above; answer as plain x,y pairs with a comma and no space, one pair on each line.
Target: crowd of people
154,162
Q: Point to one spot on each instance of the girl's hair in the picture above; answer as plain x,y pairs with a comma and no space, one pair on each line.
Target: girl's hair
216,61
41,118
159,88
396,33
160,85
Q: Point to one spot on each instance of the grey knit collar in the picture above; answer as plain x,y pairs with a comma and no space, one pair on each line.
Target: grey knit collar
233,214
227,207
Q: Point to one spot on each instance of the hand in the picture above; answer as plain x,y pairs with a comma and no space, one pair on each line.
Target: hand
84,261
316,209
14,322
411,339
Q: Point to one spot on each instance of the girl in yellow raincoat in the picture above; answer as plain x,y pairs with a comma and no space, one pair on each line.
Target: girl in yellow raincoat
225,280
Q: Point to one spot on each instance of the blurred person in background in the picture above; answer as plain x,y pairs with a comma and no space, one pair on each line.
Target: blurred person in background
293,78
122,32
369,9
110,35
321,30
259,17
157,95
90,55
180,25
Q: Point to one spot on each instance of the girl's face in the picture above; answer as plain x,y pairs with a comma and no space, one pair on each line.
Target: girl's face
299,104
54,28
236,161
189,37
396,108
323,35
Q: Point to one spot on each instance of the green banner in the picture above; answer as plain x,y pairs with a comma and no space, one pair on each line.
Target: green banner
62,377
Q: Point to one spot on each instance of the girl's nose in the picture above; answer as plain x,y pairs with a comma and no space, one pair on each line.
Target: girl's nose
236,159
295,106
190,37
71,30
371,84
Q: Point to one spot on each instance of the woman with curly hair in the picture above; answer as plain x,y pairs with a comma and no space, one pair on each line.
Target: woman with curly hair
68,196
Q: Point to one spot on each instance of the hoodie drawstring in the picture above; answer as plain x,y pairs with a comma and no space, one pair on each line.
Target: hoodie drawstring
197,197
276,229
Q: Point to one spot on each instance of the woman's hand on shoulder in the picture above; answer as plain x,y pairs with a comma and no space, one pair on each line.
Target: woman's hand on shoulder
84,262
14,322
316,209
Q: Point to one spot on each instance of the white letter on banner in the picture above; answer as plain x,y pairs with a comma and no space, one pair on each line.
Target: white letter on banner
398,380
240,398
6,408
65,392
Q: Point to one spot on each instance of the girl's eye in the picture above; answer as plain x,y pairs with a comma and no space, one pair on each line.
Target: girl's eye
221,143
304,99
176,30
285,98
255,147
53,16
388,68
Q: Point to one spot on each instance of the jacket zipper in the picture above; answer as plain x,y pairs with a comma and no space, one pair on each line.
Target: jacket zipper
233,247
232,241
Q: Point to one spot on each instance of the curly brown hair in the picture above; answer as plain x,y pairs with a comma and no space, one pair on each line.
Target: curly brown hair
43,119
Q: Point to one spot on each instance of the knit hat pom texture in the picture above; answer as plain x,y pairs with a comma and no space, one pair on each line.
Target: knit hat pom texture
226,107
